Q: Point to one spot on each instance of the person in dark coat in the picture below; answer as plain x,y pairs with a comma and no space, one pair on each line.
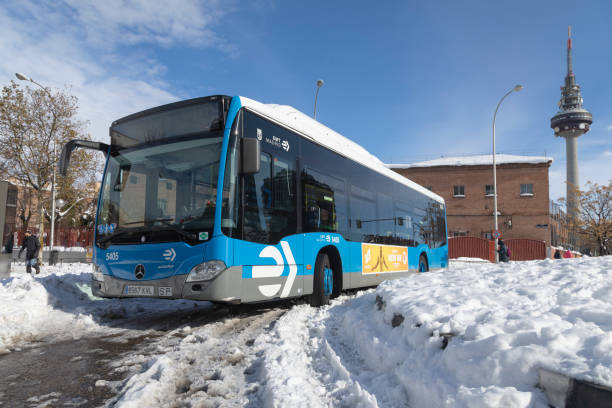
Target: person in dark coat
502,250
557,254
31,246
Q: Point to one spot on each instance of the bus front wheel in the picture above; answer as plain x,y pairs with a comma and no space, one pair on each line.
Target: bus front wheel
323,281
423,266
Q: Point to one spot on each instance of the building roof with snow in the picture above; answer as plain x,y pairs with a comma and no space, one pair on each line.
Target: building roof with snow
476,160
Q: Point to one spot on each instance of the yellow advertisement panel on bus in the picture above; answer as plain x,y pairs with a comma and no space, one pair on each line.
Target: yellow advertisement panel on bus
378,258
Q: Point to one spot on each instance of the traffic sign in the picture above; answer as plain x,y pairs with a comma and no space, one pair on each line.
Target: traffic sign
496,234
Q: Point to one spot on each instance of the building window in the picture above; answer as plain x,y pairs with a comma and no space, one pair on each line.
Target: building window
458,191
458,234
489,190
526,190
11,198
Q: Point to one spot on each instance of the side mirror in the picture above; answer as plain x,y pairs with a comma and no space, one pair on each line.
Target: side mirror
73,144
251,155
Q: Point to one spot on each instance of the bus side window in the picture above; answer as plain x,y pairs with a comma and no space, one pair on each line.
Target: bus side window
385,219
404,224
363,211
325,203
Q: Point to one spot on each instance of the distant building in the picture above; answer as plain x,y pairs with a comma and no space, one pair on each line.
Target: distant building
466,183
8,204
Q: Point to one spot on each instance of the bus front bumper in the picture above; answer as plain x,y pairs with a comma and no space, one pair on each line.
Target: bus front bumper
226,287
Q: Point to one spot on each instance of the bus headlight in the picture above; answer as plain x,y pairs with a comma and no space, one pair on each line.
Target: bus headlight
96,273
206,271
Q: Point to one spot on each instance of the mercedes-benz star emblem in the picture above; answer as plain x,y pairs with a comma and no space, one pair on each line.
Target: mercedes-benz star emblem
139,272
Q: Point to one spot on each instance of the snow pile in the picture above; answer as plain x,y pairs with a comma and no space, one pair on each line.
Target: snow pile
58,304
311,361
201,366
503,322
36,307
66,249
470,336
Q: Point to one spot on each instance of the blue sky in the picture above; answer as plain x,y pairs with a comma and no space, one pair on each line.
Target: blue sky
410,81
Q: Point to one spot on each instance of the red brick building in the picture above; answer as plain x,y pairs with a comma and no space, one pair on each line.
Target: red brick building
466,183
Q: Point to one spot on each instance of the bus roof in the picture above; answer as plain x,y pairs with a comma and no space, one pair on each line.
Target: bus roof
309,128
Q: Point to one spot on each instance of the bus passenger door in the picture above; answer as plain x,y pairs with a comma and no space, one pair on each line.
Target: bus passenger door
271,250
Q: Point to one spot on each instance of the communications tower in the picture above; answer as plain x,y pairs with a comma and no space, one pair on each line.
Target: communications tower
570,122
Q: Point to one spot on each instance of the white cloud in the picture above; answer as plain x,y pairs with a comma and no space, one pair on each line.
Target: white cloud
143,21
83,45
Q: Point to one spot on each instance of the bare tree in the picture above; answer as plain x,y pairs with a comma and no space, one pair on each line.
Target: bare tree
594,216
34,125
24,207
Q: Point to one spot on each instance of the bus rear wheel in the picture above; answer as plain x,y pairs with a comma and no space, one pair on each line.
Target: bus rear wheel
423,265
323,281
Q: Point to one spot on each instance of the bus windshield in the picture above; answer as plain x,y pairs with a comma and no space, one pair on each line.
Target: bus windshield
160,193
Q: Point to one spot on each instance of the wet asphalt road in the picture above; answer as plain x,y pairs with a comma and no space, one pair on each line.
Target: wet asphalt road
64,373
61,374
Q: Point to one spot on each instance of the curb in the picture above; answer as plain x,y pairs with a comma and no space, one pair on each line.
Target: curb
566,392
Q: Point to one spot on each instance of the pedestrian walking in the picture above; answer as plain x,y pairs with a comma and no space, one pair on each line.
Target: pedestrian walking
31,246
502,250
567,254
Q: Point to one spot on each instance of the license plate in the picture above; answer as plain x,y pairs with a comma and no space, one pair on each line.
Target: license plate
132,290
165,291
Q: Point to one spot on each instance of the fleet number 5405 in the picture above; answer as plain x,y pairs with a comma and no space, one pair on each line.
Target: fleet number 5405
112,256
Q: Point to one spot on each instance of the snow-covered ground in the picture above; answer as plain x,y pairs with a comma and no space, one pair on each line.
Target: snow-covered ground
470,336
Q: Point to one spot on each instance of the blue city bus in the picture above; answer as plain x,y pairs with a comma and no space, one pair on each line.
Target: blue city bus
230,200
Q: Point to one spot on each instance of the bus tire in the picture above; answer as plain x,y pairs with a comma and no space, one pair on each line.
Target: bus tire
423,264
323,283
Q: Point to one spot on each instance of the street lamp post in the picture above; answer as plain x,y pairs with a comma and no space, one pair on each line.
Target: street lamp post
515,89
23,77
319,85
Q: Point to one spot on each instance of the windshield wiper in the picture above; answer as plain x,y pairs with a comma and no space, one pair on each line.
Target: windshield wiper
133,222
102,241
182,233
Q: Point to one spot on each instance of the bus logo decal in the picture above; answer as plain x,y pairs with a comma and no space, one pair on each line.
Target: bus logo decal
275,271
169,254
